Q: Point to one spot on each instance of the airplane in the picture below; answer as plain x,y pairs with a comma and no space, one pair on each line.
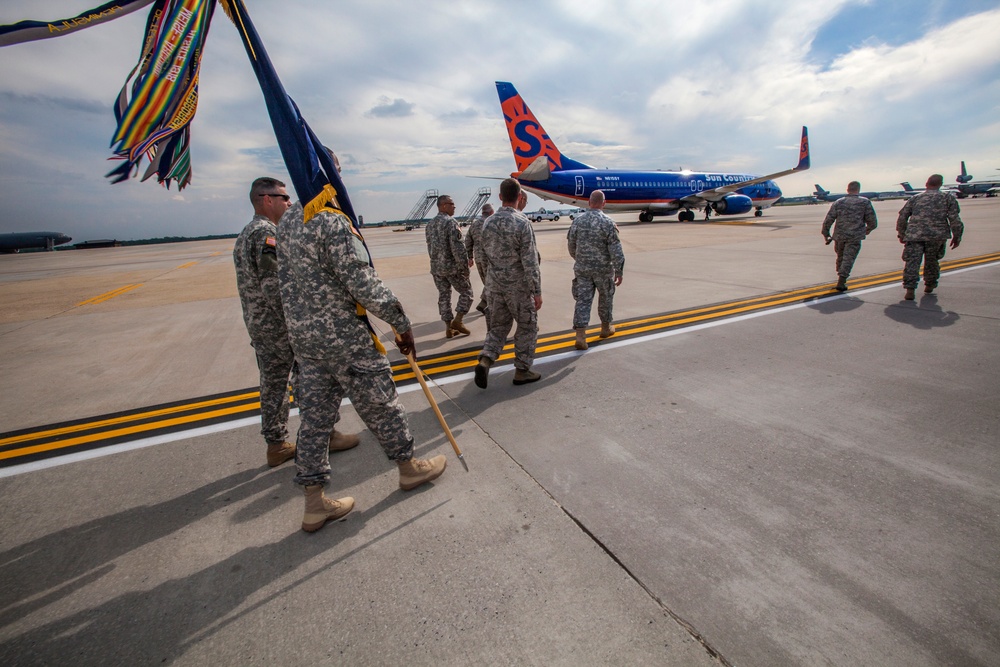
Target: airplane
967,187
17,241
909,191
825,195
543,170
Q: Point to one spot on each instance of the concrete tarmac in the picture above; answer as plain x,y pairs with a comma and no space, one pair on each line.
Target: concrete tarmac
812,485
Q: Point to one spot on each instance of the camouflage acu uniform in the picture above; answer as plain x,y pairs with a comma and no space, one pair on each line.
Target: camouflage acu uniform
324,273
924,225
474,248
594,244
512,282
256,260
855,219
449,265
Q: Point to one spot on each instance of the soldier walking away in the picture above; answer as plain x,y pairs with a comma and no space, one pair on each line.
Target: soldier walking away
325,275
513,287
855,219
474,246
256,260
449,266
599,263
924,225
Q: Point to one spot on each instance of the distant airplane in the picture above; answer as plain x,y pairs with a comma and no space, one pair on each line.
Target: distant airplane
964,177
909,191
825,195
966,188
10,243
545,171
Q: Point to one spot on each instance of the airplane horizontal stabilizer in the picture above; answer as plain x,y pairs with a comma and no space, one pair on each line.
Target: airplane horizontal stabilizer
536,171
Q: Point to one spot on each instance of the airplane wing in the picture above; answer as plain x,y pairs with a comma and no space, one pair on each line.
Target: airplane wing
718,193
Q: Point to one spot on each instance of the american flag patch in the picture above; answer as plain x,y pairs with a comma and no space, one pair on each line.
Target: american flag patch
271,241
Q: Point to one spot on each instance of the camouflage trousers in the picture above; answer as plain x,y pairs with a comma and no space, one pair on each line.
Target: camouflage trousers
460,282
931,253
507,307
365,377
847,253
275,361
584,285
481,267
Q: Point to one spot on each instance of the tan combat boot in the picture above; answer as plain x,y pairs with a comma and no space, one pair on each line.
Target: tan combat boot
448,331
841,284
457,325
278,454
483,371
320,509
607,329
341,441
908,295
415,472
524,377
581,339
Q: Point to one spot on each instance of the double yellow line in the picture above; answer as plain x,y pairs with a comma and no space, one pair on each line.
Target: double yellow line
58,439
108,295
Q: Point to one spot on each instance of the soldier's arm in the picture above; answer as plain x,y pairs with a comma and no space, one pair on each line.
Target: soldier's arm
266,248
571,239
616,252
529,260
955,222
828,221
903,219
871,220
458,250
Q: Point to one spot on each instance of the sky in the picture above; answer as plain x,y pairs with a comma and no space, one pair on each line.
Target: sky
891,90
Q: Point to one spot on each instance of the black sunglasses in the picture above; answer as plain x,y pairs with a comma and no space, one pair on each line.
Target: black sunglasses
274,194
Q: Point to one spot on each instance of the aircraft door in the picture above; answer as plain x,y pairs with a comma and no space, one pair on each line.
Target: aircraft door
579,186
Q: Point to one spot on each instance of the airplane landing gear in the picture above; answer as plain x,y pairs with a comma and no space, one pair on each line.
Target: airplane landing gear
645,216
686,216
758,213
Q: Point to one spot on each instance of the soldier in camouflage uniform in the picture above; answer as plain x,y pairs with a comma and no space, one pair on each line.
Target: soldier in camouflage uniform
855,219
594,244
325,275
449,266
474,247
513,287
924,225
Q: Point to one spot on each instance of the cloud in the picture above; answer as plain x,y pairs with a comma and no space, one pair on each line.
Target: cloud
397,108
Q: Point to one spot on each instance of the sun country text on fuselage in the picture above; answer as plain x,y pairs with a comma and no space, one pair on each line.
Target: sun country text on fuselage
545,171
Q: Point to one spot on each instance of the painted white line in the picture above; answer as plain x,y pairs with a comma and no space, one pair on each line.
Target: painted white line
603,347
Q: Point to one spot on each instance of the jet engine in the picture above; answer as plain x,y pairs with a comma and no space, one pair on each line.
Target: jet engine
733,205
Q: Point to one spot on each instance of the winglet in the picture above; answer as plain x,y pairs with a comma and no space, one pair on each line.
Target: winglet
803,150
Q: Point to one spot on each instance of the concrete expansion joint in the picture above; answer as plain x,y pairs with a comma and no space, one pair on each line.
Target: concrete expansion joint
712,651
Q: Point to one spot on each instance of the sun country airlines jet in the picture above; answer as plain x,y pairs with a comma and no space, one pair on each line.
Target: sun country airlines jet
545,171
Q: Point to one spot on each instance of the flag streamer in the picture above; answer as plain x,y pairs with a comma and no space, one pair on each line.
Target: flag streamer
29,31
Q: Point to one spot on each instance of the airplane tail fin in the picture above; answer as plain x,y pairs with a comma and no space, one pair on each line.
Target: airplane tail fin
964,177
906,186
820,192
804,151
528,139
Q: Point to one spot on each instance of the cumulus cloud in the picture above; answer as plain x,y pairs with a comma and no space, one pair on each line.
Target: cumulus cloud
396,108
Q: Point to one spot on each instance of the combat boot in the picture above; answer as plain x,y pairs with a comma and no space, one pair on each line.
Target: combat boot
278,454
415,472
448,331
607,329
341,441
481,307
929,289
527,376
457,325
841,284
908,295
483,371
320,509
581,339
